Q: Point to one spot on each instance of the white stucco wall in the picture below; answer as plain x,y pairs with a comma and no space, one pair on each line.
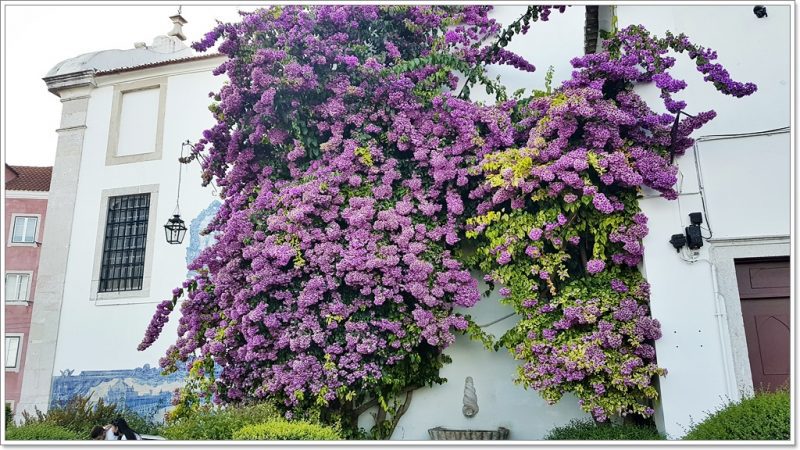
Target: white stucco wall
103,335
501,402
747,188
550,43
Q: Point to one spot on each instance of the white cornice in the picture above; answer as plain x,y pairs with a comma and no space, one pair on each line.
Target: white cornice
57,83
37,195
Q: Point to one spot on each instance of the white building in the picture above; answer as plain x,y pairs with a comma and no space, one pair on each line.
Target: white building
126,113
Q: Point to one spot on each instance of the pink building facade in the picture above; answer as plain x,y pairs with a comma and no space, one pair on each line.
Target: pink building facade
27,190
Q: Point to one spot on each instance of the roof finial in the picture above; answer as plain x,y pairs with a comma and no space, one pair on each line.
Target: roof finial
177,25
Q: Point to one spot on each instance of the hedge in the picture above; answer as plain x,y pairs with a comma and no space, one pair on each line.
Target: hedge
217,424
41,432
766,416
283,430
586,430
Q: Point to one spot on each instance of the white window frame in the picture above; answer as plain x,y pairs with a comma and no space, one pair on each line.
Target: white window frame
27,299
125,297
116,115
21,338
36,233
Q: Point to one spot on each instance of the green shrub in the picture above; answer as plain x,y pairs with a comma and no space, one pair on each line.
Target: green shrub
586,430
9,416
763,417
79,414
217,423
41,432
283,430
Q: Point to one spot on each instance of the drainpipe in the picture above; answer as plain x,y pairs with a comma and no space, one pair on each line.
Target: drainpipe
721,316
721,313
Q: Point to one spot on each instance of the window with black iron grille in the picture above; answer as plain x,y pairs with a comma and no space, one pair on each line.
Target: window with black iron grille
125,241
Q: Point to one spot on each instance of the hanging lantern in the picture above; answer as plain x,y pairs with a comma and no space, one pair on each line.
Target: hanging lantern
175,229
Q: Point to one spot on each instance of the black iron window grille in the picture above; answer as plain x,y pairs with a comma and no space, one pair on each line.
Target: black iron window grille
125,242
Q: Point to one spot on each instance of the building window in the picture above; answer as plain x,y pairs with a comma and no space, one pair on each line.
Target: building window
17,286
24,231
13,346
125,243
138,122
136,129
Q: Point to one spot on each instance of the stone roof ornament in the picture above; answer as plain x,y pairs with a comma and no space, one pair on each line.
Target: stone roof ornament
177,25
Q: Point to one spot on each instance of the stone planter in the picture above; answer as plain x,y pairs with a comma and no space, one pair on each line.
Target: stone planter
444,434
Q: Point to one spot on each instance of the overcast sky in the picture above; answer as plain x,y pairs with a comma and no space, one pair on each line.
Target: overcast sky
36,37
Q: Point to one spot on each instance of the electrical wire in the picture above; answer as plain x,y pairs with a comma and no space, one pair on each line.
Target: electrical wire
497,320
717,137
699,168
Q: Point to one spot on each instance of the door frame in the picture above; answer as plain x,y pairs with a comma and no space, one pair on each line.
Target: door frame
723,253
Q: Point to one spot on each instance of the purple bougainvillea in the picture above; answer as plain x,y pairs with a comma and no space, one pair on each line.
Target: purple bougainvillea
352,162
571,187
343,153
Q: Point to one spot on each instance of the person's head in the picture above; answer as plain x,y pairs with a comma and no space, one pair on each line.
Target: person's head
98,433
123,429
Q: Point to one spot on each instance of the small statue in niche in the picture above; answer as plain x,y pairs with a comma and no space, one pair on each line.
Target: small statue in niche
470,407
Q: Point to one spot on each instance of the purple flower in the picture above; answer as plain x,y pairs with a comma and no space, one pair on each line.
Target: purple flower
594,266
543,274
619,285
602,204
504,258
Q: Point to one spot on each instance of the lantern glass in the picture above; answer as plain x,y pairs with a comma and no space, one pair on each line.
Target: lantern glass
175,230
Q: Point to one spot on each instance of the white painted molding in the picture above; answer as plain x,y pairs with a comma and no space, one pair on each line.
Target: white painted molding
724,253
32,195
21,337
115,121
37,236
57,83
27,299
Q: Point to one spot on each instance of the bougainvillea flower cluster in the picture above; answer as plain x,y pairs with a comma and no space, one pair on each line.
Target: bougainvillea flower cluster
351,167
559,224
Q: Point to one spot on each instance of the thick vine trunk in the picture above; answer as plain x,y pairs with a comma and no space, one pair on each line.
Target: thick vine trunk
385,423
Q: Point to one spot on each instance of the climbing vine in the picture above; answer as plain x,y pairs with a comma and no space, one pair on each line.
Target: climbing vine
352,163
559,227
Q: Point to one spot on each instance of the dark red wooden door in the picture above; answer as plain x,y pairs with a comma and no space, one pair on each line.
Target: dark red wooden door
764,292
